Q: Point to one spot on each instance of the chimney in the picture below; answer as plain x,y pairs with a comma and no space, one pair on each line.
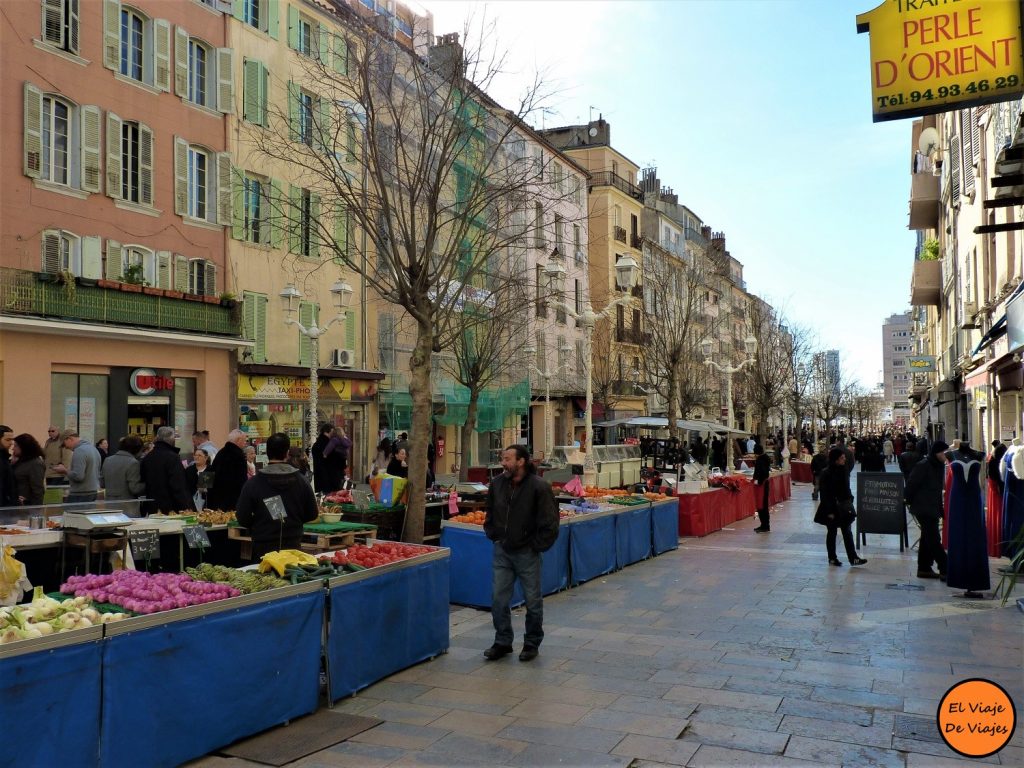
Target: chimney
649,180
447,54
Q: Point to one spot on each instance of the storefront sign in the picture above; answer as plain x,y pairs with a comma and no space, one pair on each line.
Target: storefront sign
295,388
145,381
930,56
921,363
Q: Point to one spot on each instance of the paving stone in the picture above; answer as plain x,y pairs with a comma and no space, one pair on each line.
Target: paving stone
392,691
356,705
710,756
680,710
616,685
836,731
724,698
824,679
476,723
821,710
490,703
409,737
761,721
406,712
570,736
662,751
918,760
857,698
479,749
939,749
549,711
836,752
633,722
768,687
736,737
352,754
552,755
696,679
475,682
622,672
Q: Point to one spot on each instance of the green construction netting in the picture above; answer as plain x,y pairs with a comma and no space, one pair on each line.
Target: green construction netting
497,406
456,403
397,407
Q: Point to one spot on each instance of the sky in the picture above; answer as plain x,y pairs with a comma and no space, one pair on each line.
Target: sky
758,114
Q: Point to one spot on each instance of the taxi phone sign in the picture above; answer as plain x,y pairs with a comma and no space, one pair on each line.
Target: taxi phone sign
930,56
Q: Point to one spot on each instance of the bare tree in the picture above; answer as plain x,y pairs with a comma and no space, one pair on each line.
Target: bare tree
410,152
829,390
799,352
767,380
607,381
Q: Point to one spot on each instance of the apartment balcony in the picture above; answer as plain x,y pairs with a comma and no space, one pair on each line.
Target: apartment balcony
620,234
25,293
636,241
609,179
924,200
926,283
695,236
632,336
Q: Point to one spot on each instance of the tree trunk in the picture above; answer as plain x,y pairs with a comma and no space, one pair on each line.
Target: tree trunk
762,428
466,431
419,435
673,403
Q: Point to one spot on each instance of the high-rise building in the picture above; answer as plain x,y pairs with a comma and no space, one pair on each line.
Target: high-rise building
897,346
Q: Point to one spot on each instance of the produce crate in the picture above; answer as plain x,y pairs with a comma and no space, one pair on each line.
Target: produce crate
327,537
387,520
627,501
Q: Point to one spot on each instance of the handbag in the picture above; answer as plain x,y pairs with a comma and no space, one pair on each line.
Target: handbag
847,513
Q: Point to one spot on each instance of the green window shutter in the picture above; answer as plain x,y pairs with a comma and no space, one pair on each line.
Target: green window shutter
251,74
238,9
323,133
314,225
238,203
340,55
350,329
323,44
248,315
293,27
225,80
294,218
341,235
259,353
307,315
274,213
264,80
272,19
293,110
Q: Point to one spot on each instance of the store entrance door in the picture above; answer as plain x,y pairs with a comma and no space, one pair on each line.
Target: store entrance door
147,414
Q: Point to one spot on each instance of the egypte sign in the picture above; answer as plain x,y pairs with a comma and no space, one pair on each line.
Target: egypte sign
921,363
931,56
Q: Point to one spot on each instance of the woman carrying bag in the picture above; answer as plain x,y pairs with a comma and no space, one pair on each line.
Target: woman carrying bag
835,510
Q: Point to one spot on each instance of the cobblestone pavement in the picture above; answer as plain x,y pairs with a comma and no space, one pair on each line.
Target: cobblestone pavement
737,649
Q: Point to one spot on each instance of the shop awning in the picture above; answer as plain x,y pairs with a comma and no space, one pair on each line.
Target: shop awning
660,422
612,423
998,329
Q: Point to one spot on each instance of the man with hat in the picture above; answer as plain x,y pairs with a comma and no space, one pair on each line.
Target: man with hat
924,495
84,473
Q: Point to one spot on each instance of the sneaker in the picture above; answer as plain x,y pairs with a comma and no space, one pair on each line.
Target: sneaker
762,529
929,574
858,561
496,651
529,653
835,561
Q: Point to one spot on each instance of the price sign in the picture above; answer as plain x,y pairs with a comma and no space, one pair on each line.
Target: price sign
275,506
196,537
145,543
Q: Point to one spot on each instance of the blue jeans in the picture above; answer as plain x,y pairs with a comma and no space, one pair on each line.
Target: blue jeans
523,564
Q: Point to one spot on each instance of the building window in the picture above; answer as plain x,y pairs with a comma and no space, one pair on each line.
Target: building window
79,402
306,236
303,113
256,193
57,137
202,183
577,244
304,36
198,179
198,65
60,24
61,252
133,49
202,277
138,265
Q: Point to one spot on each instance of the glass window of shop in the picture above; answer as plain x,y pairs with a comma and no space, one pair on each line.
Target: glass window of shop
79,401
184,412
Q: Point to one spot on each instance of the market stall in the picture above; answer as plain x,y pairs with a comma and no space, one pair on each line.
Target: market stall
801,471
592,545
633,534
664,525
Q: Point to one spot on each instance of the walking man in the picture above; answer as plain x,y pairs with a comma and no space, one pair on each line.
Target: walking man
924,495
522,521
762,473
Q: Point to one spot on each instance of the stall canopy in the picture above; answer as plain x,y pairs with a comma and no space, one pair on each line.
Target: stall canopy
660,422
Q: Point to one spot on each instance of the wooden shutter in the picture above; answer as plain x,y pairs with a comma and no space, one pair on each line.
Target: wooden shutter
954,169
967,151
251,71
53,22
112,34
181,62
163,269
114,131
51,251
322,128
92,180
248,316
259,352
323,44
32,158
225,80
145,165
180,176
162,35
72,22
224,191
341,235
293,27
293,110
273,22
238,9
305,345
294,220
340,55
180,273
238,205
92,257
314,225
209,278
113,268
274,214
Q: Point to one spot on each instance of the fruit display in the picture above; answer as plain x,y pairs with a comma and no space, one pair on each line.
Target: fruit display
564,513
592,491
215,517
47,616
280,560
380,553
245,582
339,497
473,518
146,592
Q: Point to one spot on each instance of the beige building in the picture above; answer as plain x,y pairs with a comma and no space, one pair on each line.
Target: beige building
897,347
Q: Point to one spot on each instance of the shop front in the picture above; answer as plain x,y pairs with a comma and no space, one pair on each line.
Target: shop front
274,400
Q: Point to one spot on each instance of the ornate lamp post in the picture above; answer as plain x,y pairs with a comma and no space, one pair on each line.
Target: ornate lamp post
530,350
341,294
750,347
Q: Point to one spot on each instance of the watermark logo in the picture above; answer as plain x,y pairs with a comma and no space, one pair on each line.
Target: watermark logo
976,717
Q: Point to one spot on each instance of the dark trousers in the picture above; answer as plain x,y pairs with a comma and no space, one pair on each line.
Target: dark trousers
762,509
525,565
848,542
930,549
78,498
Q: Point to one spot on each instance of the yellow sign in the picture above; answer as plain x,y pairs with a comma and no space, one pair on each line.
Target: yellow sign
297,389
931,56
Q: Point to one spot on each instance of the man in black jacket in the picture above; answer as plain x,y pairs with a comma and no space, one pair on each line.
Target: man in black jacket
522,521
230,471
924,495
164,476
278,480
818,464
911,456
762,473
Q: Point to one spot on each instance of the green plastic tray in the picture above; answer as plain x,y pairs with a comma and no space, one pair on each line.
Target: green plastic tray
341,527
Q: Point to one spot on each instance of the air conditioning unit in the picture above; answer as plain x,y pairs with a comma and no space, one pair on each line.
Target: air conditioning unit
343,358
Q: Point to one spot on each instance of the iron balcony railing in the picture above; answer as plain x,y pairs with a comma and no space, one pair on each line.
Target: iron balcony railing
25,293
620,234
609,179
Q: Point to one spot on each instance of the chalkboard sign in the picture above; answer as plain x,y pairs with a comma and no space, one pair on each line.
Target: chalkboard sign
880,507
275,506
195,537
145,543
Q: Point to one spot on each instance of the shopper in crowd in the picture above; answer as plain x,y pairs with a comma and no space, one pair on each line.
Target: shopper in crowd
122,474
751,443
164,476
250,461
924,495
326,476
281,479
522,521
818,464
230,471
297,458
201,439
761,478
909,458
336,454
380,461
28,470
835,510
55,453
8,493
197,477
399,466
872,459
103,447
84,473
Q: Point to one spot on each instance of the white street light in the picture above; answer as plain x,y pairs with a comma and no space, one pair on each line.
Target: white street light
750,346
341,295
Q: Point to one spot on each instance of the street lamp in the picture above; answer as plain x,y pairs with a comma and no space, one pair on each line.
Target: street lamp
627,273
530,350
750,347
341,295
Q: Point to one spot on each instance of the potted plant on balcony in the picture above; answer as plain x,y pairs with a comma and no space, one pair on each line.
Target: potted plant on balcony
228,299
132,279
67,279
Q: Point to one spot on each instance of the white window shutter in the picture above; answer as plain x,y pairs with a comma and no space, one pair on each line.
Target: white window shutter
181,62
209,279
163,269
53,22
223,196
225,80
145,165
92,257
51,251
92,180
114,130
180,176
112,34
113,268
33,141
180,273
162,46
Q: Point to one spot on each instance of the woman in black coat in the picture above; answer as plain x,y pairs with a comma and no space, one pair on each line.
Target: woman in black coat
230,471
835,510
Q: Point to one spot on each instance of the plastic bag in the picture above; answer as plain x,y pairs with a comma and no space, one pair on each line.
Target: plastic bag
13,581
574,486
